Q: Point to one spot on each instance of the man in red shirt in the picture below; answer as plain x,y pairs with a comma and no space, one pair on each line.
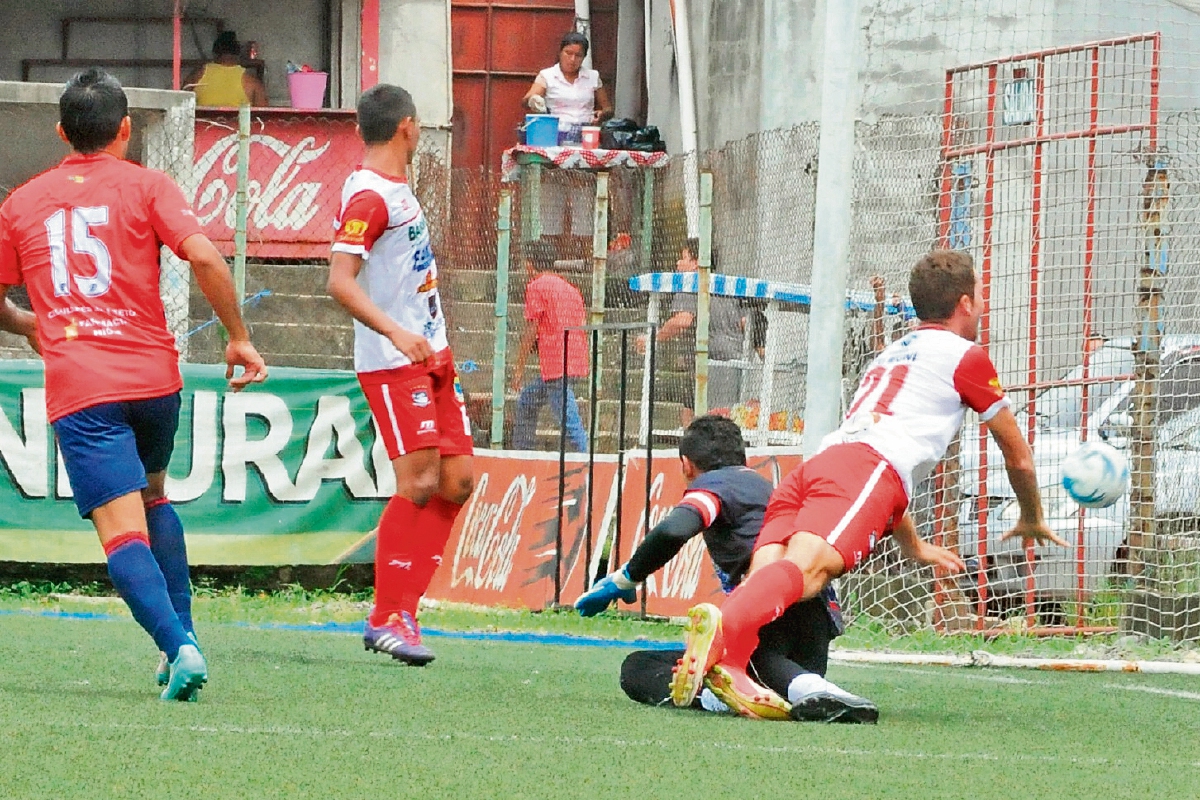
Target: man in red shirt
84,238
552,305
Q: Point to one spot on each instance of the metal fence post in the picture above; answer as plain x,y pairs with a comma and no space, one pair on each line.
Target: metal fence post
599,249
703,294
648,220
241,201
500,347
1147,358
831,229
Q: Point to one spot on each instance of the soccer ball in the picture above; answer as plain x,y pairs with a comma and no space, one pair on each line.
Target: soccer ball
1096,475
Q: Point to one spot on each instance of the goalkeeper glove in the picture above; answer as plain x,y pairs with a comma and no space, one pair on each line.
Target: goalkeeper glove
605,591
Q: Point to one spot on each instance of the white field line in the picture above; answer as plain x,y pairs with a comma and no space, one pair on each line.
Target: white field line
1155,690
989,677
592,742
982,658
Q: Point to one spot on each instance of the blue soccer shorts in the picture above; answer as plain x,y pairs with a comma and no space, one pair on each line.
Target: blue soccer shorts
109,449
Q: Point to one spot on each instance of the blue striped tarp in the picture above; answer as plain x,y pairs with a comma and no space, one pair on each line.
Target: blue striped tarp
754,288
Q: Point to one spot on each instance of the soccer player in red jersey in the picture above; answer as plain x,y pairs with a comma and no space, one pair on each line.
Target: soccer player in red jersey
84,238
382,271
829,513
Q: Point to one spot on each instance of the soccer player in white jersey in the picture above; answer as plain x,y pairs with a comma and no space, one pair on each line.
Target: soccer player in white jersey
829,513
383,272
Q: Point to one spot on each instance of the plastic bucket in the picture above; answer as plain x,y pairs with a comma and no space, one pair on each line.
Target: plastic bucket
541,130
307,89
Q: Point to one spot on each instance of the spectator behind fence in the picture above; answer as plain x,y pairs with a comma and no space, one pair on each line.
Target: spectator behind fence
568,91
224,81
726,327
577,97
552,305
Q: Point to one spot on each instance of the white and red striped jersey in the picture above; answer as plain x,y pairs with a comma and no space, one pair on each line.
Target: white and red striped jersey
382,222
912,398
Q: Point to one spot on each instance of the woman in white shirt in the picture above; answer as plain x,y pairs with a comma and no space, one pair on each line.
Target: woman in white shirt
577,97
573,94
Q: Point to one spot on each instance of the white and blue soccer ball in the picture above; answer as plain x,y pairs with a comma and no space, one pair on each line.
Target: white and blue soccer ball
1096,475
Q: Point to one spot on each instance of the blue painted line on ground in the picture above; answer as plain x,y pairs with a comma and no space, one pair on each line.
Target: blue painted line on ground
356,628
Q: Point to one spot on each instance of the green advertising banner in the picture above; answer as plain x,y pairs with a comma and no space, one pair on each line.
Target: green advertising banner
288,472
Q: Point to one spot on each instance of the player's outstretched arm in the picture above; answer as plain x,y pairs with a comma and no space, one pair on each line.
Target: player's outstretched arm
605,591
912,546
343,288
216,282
660,546
1018,462
18,320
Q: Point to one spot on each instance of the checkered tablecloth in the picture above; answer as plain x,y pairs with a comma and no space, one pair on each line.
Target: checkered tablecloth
572,157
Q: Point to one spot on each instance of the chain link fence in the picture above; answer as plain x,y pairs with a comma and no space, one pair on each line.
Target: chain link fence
1071,174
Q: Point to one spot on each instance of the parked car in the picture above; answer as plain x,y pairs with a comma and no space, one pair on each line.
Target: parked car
1059,428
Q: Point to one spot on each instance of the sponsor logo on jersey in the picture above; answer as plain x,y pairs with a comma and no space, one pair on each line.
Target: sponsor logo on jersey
353,231
429,284
76,178
458,390
420,398
995,384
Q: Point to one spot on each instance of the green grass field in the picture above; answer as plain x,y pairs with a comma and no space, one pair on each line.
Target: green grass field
295,714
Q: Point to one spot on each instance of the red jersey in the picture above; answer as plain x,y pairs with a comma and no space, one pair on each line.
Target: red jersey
554,305
84,238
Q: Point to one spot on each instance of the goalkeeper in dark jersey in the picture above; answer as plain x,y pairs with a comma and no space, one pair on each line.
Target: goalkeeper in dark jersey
725,500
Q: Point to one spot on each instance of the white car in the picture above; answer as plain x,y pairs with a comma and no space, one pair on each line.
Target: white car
1059,429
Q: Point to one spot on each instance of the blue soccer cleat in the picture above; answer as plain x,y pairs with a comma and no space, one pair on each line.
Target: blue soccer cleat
162,675
400,638
189,672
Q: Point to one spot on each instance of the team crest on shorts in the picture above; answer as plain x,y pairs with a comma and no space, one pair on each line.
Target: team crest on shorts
420,398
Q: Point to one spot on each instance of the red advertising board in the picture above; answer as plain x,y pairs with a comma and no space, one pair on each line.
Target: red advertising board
298,161
502,550
689,577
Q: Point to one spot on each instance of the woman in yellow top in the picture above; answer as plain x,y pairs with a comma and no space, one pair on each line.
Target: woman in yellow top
223,81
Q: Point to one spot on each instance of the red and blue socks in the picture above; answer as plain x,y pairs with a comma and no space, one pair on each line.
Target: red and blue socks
760,599
408,551
170,551
139,581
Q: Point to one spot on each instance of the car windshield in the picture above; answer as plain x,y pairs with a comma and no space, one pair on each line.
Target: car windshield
1062,406
1178,391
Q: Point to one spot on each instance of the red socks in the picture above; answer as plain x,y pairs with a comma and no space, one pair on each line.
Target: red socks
437,521
408,550
761,599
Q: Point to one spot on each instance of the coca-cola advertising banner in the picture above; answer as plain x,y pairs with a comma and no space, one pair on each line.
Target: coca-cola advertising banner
296,169
502,549
689,578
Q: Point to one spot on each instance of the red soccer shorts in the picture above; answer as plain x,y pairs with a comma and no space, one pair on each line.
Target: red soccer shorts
848,495
419,406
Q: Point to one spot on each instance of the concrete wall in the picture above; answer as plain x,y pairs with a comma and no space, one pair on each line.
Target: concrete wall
164,125
414,52
294,30
758,64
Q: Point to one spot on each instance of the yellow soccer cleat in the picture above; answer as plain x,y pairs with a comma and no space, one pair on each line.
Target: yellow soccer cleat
743,694
703,647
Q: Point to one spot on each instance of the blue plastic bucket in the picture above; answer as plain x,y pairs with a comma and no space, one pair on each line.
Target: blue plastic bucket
541,130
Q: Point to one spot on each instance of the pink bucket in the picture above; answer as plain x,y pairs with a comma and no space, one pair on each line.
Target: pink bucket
307,89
